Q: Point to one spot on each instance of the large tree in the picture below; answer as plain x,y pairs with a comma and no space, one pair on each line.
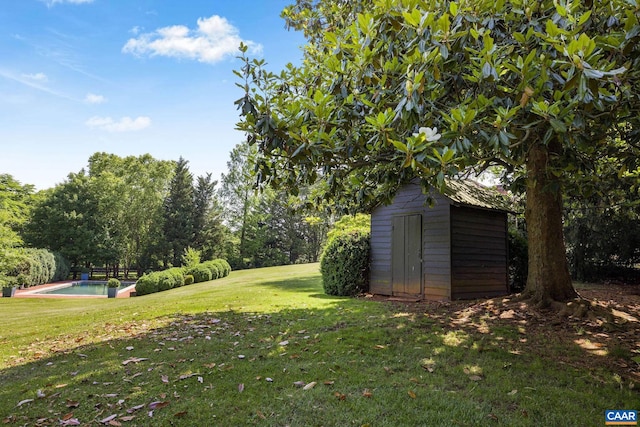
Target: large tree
393,90
178,213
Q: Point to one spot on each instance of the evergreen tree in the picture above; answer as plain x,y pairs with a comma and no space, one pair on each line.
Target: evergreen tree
178,213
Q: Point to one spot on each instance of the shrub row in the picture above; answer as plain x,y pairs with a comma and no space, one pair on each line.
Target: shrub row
29,267
175,277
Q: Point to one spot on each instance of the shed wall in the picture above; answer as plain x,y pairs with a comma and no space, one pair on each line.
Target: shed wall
436,265
408,200
478,253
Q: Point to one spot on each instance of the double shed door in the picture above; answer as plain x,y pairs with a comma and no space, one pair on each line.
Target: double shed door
406,257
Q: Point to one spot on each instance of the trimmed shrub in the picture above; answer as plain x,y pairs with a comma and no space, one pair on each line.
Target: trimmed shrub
226,267
113,283
216,271
344,264
147,284
200,273
165,282
37,266
176,275
188,279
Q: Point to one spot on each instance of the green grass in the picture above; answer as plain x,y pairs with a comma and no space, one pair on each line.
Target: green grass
230,352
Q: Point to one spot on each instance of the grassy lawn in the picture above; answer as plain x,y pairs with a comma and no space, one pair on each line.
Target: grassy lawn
267,347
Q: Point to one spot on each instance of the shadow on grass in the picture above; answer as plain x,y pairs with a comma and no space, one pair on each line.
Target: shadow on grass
362,363
304,284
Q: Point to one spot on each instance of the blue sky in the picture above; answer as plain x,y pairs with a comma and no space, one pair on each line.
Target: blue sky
127,77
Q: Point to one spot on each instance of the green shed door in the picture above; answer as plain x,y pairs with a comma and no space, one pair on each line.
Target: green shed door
406,257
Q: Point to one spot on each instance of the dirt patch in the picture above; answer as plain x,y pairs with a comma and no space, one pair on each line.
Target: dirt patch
599,343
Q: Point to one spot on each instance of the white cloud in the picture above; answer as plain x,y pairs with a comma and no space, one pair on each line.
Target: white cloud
51,3
213,40
94,99
125,124
37,77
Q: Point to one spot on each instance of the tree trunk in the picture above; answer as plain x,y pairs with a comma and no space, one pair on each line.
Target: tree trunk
548,279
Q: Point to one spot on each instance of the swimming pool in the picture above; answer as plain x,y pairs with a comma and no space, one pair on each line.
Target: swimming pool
87,287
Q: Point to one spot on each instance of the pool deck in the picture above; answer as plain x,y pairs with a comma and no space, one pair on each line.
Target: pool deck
31,291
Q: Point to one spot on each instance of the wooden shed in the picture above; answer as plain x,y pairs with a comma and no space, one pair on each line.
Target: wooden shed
454,247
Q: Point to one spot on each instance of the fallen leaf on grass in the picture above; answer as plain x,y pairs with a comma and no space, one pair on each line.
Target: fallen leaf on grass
367,393
164,379
411,394
240,387
379,347
109,418
70,422
22,402
475,378
127,418
40,394
72,403
134,360
340,396
158,405
309,386
261,415
329,382
180,414
299,383
185,376
283,343
493,417
134,409
512,392
67,416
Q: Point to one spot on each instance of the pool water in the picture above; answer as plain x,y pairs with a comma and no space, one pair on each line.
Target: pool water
92,287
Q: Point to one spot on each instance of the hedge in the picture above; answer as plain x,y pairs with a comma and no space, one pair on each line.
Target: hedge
30,267
200,273
177,276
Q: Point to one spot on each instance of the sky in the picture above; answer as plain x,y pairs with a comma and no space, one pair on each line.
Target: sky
128,77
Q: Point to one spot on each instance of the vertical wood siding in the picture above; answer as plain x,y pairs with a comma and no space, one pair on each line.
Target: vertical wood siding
436,264
408,200
478,253
436,254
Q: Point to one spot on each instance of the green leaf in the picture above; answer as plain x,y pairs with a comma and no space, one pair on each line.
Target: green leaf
558,125
592,74
453,8
448,155
412,18
400,146
486,70
584,18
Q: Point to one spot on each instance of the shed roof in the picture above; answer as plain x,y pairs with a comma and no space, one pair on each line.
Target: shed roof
470,193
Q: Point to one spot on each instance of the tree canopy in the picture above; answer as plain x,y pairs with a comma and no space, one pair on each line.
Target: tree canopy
393,90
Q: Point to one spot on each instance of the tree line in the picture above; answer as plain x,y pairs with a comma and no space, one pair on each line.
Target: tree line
134,214
137,214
